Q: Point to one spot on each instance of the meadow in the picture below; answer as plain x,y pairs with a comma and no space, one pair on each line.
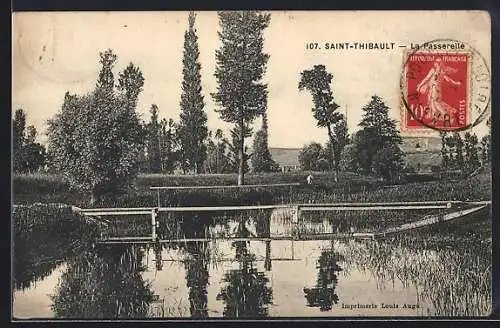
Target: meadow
45,188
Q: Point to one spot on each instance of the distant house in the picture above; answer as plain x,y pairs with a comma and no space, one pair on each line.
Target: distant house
422,153
421,144
287,158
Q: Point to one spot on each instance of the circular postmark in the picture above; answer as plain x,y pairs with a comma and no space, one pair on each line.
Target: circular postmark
41,51
445,86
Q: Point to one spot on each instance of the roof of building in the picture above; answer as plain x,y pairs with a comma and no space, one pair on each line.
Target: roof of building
421,144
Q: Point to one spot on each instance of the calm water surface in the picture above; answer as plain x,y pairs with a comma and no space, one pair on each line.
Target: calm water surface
224,278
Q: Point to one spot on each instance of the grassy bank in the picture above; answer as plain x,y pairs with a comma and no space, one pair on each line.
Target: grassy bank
324,179
28,189
51,189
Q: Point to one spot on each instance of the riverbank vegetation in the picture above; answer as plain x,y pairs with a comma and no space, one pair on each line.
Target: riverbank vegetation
44,236
46,188
49,189
450,282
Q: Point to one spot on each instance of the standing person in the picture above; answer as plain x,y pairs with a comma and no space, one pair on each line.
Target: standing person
309,179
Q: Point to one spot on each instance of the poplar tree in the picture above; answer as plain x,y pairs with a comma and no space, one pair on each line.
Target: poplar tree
193,129
240,66
168,145
130,83
471,149
317,81
153,141
261,157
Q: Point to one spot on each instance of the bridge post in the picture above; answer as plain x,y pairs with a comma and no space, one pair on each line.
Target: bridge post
295,214
154,214
295,221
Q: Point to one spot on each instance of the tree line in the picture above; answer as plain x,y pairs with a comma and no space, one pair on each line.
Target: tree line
465,153
373,150
28,155
98,142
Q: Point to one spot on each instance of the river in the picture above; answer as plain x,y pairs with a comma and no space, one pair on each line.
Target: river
254,279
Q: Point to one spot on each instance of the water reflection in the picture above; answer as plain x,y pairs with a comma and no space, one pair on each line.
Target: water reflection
197,278
157,248
323,294
44,237
246,293
104,284
257,278
449,282
267,261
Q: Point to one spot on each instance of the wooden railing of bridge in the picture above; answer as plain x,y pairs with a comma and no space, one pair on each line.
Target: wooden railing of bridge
270,185
296,209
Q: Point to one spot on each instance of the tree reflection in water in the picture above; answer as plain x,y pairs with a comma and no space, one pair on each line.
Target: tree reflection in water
197,278
104,283
158,248
246,293
323,294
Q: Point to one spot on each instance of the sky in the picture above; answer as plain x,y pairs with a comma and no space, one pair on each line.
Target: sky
59,51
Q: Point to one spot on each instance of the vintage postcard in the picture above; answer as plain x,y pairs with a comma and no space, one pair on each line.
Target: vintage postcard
251,164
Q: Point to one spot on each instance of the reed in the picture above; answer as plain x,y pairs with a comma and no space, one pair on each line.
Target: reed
449,281
171,308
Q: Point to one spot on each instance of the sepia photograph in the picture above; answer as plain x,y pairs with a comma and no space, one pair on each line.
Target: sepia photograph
190,165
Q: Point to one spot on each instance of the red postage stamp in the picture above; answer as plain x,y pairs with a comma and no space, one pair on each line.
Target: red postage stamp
437,90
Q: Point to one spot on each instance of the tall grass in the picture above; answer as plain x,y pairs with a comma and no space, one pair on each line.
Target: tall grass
453,279
169,308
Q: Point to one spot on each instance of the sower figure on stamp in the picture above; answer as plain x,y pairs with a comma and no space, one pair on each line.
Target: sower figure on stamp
432,85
